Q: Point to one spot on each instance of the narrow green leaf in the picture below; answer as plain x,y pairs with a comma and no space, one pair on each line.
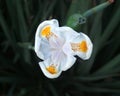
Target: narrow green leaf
27,9
23,29
11,90
111,26
21,20
91,78
12,15
95,37
48,11
96,9
6,31
95,32
12,80
78,6
15,79
94,89
26,45
53,90
109,66
109,84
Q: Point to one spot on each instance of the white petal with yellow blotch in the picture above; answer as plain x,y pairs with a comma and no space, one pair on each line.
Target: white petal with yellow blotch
82,46
41,42
49,69
52,70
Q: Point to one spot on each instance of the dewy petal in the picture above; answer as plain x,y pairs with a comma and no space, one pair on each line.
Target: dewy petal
87,44
44,65
41,44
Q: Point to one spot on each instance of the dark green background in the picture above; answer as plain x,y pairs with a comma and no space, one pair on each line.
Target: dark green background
20,74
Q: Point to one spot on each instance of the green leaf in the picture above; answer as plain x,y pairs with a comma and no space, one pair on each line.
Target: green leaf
5,28
11,79
53,90
91,78
95,35
110,67
78,6
111,26
11,90
81,87
96,9
26,45
109,84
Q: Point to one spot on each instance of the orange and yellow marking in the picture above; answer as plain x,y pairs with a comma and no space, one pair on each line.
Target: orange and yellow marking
46,32
82,46
52,69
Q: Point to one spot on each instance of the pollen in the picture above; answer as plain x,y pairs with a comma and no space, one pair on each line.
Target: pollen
80,47
46,31
52,69
83,46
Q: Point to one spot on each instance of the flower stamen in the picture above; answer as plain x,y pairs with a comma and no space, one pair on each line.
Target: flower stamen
46,32
52,69
82,46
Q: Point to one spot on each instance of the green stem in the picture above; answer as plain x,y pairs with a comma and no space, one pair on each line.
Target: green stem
96,9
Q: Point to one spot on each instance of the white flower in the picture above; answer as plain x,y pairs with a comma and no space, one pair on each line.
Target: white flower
57,46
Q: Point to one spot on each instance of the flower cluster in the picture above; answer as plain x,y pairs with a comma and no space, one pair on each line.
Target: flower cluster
57,46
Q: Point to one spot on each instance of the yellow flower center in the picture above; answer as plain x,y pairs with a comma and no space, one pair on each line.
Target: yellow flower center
52,69
82,46
46,31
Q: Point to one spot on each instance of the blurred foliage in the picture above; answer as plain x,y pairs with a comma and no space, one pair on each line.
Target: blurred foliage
20,74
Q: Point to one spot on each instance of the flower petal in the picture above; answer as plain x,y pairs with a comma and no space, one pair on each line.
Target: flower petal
44,65
56,42
63,57
41,44
67,33
52,23
37,48
89,45
42,48
45,49
70,60
85,45
67,48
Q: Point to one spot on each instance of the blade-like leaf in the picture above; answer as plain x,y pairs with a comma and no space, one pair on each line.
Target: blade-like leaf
113,64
